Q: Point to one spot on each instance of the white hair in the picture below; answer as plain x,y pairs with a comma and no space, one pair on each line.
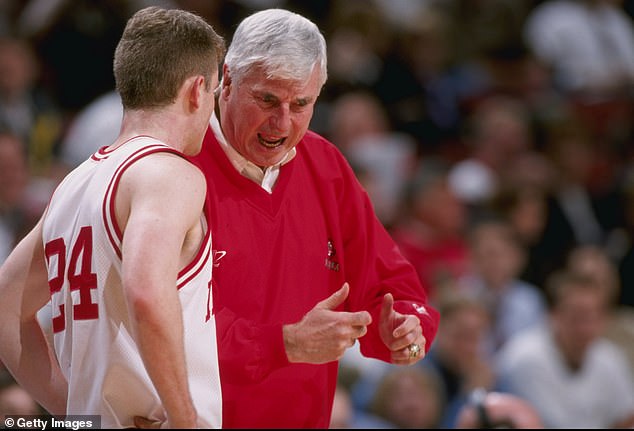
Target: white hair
285,44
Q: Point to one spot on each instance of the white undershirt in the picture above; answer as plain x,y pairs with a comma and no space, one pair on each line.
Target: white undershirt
265,178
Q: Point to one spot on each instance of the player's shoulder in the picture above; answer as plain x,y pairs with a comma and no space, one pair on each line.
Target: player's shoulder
167,167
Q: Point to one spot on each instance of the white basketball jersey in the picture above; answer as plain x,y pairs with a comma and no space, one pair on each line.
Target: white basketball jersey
92,335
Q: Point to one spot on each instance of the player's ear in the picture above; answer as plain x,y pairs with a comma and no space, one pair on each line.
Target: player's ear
196,89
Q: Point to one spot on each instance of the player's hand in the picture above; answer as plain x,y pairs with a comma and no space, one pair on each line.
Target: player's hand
399,332
145,423
323,335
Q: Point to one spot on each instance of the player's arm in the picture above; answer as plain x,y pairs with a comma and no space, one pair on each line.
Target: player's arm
164,195
23,345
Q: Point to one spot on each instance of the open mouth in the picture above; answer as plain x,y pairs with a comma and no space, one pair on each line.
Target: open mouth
271,143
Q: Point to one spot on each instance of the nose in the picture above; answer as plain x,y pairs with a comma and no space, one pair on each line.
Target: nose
280,121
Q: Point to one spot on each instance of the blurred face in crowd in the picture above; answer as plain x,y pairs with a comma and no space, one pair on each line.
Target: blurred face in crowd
263,118
410,399
578,320
529,214
596,264
461,336
13,171
17,69
15,400
498,258
439,207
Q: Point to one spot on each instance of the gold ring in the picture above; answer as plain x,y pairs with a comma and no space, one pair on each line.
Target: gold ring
414,350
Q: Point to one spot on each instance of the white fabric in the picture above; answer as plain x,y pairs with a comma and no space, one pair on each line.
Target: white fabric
265,178
99,355
598,395
472,181
96,126
588,45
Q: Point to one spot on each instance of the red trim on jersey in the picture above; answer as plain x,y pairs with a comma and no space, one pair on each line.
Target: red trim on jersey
115,234
199,261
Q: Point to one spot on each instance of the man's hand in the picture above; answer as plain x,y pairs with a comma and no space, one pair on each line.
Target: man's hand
399,331
323,335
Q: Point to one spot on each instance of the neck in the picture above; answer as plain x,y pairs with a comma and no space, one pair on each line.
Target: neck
162,126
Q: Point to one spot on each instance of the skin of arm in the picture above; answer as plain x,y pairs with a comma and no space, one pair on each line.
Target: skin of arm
24,348
158,219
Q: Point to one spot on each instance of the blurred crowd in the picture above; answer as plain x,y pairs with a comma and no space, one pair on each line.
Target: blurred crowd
496,141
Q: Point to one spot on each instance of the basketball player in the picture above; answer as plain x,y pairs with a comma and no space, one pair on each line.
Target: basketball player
126,250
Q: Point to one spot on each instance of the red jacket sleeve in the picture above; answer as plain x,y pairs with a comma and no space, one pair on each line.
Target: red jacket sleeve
374,266
256,348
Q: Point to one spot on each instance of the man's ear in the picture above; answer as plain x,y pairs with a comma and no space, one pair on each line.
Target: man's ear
197,91
225,83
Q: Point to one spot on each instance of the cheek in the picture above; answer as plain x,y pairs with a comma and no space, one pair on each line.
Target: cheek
301,121
247,120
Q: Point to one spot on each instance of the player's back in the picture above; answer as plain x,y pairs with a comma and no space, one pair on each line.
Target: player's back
92,333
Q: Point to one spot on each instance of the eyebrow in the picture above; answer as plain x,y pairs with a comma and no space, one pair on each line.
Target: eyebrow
305,100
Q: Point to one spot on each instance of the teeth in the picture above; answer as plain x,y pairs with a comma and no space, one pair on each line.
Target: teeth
270,143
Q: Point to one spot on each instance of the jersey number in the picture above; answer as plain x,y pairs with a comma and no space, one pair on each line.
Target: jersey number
79,274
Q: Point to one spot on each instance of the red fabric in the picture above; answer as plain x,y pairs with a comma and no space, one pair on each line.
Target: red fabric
436,263
278,265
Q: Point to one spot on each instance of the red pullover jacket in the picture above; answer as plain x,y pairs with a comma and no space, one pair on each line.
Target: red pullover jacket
285,252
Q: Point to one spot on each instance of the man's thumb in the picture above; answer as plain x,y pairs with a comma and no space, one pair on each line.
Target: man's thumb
387,307
336,299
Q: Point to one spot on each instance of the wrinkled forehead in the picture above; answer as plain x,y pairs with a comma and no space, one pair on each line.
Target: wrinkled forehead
258,78
274,67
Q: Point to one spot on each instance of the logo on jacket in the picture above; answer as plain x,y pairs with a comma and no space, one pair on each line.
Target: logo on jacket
331,261
420,309
217,256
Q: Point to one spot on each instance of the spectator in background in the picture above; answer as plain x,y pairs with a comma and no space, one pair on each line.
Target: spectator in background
342,409
460,356
421,84
95,126
578,214
571,374
589,44
492,410
525,207
409,398
498,259
594,262
589,47
496,133
360,128
357,49
345,415
15,400
430,228
75,41
14,180
626,261
26,110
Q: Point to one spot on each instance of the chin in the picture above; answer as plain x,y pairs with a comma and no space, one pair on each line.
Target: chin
269,156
